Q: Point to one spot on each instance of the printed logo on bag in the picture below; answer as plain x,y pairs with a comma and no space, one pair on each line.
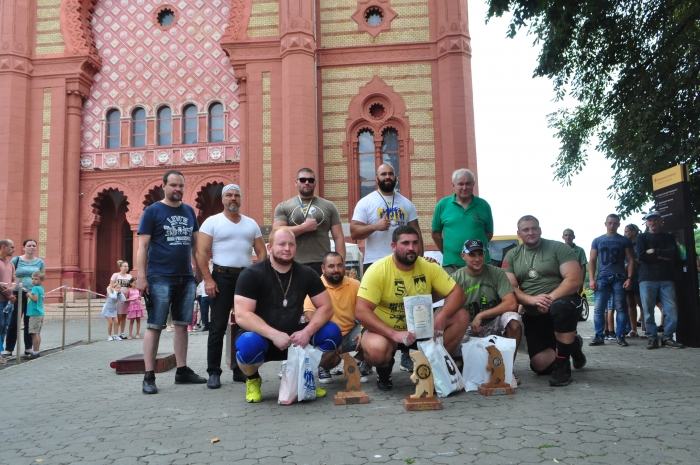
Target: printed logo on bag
421,284
450,366
309,379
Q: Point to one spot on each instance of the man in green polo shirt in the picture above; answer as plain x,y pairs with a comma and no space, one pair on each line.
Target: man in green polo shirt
460,217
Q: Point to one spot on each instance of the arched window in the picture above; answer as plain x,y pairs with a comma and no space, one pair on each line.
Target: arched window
365,152
216,123
189,125
390,151
138,128
165,126
113,127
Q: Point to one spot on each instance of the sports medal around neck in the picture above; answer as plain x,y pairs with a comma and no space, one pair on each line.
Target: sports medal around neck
304,211
392,221
284,291
532,272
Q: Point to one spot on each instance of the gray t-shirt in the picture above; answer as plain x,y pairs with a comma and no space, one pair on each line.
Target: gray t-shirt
311,246
484,291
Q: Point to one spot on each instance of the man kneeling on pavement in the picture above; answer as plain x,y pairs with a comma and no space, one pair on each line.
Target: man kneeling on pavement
269,302
490,298
343,292
380,305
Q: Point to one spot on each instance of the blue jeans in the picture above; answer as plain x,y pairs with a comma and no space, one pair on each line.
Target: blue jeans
204,304
607,286
173,293
3,304
666,291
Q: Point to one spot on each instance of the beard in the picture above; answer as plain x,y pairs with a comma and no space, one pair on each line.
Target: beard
387,185
175,197
334,278
282,260
408,259
233,208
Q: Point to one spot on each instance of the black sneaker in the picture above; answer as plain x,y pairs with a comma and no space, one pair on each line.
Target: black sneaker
671,344
597,341
238,375
149,384
577,355
324,377
652,343
384,382
562,372
187,376
406,362
621,341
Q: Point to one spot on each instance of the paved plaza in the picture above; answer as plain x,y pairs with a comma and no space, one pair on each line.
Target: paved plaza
628,405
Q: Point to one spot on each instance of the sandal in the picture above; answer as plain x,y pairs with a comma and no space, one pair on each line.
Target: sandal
633,334
517,380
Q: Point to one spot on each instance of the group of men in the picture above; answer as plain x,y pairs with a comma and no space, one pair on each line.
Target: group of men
297,292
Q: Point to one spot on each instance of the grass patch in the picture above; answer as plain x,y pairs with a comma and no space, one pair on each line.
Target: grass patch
547,446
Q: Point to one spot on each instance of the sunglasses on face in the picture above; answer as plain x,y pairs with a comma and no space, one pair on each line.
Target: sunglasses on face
305,180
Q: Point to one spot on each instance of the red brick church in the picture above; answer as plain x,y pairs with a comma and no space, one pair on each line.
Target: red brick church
101,97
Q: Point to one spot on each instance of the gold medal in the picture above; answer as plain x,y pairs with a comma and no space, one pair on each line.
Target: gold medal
393,222
533,274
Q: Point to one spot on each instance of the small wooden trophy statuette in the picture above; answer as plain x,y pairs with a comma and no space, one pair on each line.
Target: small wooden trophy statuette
352,394
497,386
422,376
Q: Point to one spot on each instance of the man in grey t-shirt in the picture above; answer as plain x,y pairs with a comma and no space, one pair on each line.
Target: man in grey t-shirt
310,218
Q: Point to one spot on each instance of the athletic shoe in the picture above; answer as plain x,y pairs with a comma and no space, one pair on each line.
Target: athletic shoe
252,390
577,355
282,367
610,336
562,372
621,341
149,384
123,336
652,343
642,334
597,341
671,344
324,377
320,392
339,370
238,375
365,371
384,382
110,338
116,338
406,362
187,376
6,353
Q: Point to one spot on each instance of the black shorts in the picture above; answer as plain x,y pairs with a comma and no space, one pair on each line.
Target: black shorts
539,333
273,354
402,347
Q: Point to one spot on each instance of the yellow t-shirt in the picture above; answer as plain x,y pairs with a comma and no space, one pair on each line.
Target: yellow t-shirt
343,298
385,285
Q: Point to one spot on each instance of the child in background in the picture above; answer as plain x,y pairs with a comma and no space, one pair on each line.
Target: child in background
109,311
135,308
35,312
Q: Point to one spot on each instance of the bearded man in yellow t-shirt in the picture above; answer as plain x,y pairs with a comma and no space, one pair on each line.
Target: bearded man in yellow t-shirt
380,305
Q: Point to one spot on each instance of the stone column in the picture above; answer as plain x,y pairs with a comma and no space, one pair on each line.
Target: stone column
299,118
455,95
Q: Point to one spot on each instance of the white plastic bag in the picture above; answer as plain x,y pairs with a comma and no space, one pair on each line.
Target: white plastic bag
446,376
476,358
298,378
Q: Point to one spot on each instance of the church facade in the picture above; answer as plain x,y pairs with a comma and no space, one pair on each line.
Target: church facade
101,97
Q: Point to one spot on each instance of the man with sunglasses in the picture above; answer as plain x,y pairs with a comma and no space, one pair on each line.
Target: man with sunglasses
310,218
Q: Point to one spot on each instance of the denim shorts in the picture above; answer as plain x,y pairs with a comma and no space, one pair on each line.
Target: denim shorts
170,293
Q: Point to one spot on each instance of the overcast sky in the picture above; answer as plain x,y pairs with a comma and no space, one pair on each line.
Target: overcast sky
515,148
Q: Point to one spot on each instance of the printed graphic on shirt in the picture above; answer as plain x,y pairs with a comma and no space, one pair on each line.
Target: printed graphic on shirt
396,214
398,314
314,212
178,233
421,284
481,304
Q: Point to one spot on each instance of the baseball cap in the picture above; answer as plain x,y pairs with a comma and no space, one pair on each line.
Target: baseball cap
471,245
652,213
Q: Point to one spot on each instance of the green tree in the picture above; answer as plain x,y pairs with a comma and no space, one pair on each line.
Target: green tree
633,66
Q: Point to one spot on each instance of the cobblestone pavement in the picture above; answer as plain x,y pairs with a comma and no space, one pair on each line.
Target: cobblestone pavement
628,405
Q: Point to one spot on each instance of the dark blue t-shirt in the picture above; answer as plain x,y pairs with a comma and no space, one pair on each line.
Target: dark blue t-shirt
171,229
611,253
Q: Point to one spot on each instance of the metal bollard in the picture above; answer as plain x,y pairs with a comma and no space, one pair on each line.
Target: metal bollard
63,339
89,318
19,325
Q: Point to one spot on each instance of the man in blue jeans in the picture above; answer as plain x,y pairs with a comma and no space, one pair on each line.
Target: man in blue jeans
659,254
609,252
167,240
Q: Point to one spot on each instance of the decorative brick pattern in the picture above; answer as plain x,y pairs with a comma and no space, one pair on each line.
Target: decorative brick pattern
144,65
267,149
339,30
44,174
264,19
49,39
413,82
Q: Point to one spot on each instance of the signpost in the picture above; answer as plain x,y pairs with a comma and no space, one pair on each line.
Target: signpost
672,198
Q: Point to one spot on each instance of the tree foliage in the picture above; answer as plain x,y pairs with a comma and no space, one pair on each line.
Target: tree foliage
633,66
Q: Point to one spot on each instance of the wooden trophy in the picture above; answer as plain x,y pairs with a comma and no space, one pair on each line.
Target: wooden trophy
422,376
353,394
497,386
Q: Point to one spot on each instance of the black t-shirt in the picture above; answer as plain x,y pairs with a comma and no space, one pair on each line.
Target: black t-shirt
259,283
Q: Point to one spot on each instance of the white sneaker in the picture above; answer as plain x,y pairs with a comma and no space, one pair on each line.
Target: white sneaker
117,337
110,338
339,370
282,367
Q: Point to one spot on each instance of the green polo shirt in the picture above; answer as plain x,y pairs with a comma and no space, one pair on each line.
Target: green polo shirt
459,224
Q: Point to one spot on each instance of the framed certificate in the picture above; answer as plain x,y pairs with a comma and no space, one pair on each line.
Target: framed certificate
419,315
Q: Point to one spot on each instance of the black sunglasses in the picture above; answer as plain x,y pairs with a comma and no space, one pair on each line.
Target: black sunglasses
305,180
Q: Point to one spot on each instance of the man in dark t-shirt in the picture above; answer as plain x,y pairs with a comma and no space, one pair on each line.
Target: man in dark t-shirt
269,303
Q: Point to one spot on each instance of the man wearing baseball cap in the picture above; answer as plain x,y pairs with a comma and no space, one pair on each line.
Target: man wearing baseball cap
490,298
659,254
